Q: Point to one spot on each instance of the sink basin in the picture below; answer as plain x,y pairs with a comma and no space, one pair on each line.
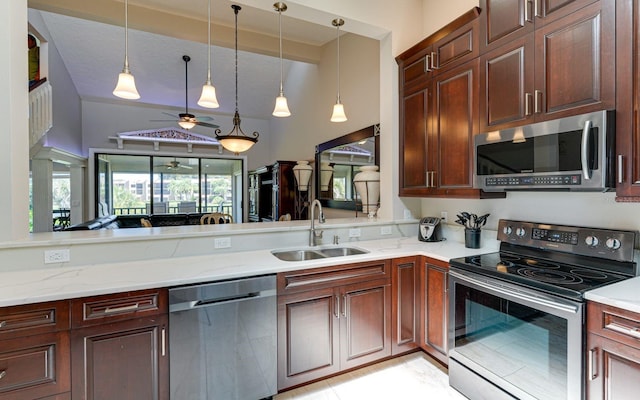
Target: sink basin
314,254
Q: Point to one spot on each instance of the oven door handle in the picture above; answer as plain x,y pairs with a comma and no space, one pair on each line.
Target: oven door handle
584,151
516,295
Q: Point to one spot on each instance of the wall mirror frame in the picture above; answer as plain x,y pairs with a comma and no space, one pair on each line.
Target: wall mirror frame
344,161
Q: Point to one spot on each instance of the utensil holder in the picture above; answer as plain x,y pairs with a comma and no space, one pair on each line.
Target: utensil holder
472,238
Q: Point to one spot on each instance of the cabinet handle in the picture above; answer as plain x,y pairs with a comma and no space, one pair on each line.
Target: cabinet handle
344,305
433,173
536,11
427,63
426,183
163,341
528,97
336,308
113,310
633,332
3,373
527,5
593,374
536,103
433,64
2,324
620,175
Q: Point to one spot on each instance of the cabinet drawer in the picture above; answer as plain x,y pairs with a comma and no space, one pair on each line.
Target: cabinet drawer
117,307
614,323
317,278
33,319
35,366
457,47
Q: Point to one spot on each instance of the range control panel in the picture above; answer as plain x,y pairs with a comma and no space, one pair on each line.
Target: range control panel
595,242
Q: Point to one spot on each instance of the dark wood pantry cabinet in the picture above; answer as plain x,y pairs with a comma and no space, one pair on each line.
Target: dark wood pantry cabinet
433,304
405,303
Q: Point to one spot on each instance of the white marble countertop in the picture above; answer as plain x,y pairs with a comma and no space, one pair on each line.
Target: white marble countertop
625,295
47,284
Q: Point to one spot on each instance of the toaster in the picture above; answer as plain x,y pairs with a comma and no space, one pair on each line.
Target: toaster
430,229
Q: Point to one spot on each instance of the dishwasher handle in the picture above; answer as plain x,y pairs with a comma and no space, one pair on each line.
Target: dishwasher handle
191,305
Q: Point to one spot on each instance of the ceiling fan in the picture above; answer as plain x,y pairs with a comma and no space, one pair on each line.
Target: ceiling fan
175,164
187,120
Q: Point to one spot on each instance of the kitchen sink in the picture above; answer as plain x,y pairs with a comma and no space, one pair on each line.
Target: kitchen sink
314,254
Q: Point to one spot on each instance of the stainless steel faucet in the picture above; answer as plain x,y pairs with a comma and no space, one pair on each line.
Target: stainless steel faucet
314,237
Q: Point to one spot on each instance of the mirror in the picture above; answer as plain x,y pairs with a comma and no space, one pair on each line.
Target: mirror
345,155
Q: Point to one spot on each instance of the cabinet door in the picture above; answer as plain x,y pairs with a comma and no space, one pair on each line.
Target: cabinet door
550,10
613,370
503,21
308,336
436,298
416,156
455,124
575,63
365,324
125,360
404,293
506,82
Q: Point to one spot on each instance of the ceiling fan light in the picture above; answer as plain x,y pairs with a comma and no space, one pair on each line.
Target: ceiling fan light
208,97
186,124
281,109
338,113
126,87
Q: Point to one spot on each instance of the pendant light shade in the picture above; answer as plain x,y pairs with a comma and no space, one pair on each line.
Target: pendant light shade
126,86
236,141
338,114
282,108
208,97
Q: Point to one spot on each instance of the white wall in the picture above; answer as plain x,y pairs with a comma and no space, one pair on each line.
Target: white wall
437,13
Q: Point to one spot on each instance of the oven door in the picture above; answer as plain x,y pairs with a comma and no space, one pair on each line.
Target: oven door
506,341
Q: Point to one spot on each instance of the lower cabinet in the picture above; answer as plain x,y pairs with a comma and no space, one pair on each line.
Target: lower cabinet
613,353
332,319
405,303
433,327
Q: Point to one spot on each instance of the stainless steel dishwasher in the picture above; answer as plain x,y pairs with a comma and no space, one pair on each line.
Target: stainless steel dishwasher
222,340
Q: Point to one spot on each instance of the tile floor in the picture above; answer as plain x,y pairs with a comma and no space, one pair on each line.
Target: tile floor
413,376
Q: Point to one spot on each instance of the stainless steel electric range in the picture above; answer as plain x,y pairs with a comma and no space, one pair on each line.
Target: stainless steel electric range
516,316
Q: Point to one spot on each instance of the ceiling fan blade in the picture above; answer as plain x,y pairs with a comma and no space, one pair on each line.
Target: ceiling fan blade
185,166
204,118
171,115
207,124
162,120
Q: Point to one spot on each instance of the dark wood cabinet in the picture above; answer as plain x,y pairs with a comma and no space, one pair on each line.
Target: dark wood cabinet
613,353
416,159
534,75
119,349
34,351
404,304
434,298
332,319
272,192
628,100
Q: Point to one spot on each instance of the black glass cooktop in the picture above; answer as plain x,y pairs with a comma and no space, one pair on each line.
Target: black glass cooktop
569,280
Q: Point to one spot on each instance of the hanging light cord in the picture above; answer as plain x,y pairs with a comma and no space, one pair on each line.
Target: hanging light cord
209,44
235,10
126,37
280,32
338,35
186,83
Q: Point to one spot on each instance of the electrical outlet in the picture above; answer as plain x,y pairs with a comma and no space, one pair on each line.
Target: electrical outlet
443,216
385,230
354,232
57,256
222,243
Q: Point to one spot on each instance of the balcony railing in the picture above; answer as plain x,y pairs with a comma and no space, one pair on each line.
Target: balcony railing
40,111
223,208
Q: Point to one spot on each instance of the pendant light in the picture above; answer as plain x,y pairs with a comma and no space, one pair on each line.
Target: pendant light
126,87
208,97
236,141
338,109
187,121
281,109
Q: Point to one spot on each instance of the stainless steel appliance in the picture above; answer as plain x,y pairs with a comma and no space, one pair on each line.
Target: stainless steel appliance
516,316
430,229
223,340
574,153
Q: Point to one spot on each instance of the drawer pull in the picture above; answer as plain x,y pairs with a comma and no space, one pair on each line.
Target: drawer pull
592,368
336,308
3,373
113,310
2,324
163,340
633,332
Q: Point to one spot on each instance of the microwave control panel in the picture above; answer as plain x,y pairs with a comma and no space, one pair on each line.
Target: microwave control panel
534,180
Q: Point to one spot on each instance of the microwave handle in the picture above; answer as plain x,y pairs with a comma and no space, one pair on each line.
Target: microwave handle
584,153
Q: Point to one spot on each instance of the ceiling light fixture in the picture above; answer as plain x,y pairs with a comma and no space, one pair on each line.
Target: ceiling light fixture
236,141
208,97
338,108
126,86
281,109
187,120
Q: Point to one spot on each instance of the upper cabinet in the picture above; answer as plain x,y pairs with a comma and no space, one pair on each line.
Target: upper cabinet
628,100
544,60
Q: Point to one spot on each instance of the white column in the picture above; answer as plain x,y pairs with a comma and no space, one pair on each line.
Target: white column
78,195
42,186
14,121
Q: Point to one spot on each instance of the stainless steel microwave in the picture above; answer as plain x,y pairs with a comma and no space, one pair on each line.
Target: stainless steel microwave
574,153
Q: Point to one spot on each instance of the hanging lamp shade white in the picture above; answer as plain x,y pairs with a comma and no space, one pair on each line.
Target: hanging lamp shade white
236,141
282,108
126,86
208,97
338,114
302,173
